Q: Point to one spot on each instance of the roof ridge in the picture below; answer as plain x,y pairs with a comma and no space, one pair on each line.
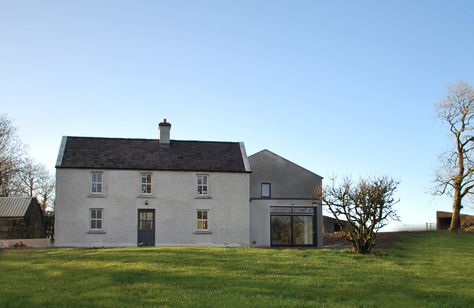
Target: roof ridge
149,139
16,197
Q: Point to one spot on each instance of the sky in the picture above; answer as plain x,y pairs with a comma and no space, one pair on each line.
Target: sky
338,87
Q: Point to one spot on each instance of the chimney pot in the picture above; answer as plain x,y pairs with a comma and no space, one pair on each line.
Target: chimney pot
164,128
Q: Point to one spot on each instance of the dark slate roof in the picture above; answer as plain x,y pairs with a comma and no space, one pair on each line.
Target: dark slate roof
146,154
14,206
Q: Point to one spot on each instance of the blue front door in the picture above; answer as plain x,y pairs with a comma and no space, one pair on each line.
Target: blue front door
146,227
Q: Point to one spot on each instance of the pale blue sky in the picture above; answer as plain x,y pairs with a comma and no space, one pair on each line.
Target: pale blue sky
339,87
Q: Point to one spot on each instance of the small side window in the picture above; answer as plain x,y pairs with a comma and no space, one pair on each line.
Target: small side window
266,190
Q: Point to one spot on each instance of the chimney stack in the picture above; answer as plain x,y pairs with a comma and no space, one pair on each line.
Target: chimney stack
164,128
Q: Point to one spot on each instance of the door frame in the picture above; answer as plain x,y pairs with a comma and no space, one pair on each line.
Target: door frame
291,214
154,225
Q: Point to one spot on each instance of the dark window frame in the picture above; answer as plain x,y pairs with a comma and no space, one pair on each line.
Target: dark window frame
274,212
269,190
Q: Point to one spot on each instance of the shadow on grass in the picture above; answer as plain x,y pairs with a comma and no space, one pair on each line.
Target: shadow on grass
201,276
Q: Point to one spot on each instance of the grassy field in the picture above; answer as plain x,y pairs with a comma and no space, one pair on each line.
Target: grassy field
425,270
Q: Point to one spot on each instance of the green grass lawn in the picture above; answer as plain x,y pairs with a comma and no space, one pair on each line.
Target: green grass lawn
433,269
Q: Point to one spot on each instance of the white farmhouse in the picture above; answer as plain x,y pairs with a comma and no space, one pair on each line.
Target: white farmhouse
148,192
129,192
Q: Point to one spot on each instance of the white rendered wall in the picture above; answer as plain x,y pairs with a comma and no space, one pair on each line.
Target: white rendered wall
173,198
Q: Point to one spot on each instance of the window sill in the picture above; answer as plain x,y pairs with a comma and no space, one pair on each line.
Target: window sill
202,197
96,196
143,196
202,232
96,232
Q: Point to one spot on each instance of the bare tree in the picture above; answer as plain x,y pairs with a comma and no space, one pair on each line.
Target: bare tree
11,153
455,175
20,175
366,205
34,180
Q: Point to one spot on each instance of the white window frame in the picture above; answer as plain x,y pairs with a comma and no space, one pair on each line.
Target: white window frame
101,219
94,184
202,219
202,185
146,184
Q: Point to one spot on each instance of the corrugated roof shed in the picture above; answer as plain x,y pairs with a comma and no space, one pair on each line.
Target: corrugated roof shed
14,206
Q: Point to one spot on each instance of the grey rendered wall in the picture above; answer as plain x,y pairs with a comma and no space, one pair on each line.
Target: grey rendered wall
291,185
260,219
288,180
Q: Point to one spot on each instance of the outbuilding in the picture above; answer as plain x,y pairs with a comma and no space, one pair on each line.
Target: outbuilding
21,218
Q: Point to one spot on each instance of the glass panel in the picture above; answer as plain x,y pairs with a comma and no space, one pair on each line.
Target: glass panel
199,180
145,220
281,230
302,230
204,190
148,178
204,214
202,224
199,190
99,188
99,224
99,214
93,224
93,214
204,180
266,190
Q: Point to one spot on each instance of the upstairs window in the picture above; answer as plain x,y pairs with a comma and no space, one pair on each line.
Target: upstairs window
266,190
201,220
96,219
202,185
145,187
96,182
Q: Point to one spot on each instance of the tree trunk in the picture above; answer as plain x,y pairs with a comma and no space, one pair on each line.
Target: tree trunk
455,219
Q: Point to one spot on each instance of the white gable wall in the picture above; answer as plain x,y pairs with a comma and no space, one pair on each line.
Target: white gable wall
173,198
